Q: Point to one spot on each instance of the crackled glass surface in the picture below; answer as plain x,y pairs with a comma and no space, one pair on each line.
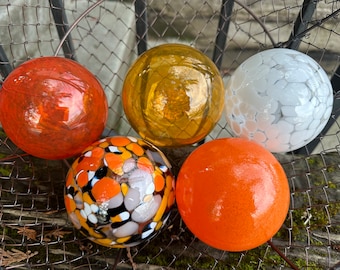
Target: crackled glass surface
52,107
173,95
279,98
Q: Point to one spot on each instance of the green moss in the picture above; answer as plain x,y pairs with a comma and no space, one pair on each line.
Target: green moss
258,258
332,185
301,264
331,168
6,170
315,162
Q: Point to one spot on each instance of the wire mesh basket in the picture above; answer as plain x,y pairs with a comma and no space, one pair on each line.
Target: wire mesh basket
106,37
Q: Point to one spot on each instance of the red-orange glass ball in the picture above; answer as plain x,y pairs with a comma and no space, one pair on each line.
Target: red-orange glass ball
52,107
232,194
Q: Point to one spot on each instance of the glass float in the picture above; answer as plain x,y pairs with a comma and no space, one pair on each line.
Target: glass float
52,107
280,98
119,192
173,95
232,194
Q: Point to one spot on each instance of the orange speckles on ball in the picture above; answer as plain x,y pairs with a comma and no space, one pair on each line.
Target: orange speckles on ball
125,153
135,148
69,178
114,191
105,189
169,182
159,182
120,141
82,179
96,152
171,199
89,164
115,162
145,164
69,204
232,194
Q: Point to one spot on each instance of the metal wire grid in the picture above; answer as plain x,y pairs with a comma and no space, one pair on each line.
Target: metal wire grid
35,232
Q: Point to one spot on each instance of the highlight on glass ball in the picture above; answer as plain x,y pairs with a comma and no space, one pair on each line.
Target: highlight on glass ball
280,98
120,191
52,107
232,194
173,95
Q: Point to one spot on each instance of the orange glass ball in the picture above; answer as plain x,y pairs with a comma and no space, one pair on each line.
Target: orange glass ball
52,107
173,95
232,194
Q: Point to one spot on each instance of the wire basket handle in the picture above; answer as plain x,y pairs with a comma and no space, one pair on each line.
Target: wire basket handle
75,23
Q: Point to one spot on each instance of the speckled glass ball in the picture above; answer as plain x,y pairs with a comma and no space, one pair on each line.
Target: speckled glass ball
52,107
280,98
119,192
173,95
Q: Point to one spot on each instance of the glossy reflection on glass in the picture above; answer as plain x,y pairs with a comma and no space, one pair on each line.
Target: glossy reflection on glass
173,95
280,98
52,107
120,191
232,194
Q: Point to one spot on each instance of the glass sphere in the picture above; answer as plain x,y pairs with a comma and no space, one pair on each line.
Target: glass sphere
280,98
119,192
232,194
52,107
173,95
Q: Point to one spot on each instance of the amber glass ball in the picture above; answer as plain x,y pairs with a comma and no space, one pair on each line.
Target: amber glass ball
173,95
52,107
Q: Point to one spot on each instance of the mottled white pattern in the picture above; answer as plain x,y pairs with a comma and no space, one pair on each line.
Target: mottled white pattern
279,98
146,211
132,199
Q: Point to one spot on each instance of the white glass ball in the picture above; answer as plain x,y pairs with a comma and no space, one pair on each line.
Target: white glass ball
280,98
